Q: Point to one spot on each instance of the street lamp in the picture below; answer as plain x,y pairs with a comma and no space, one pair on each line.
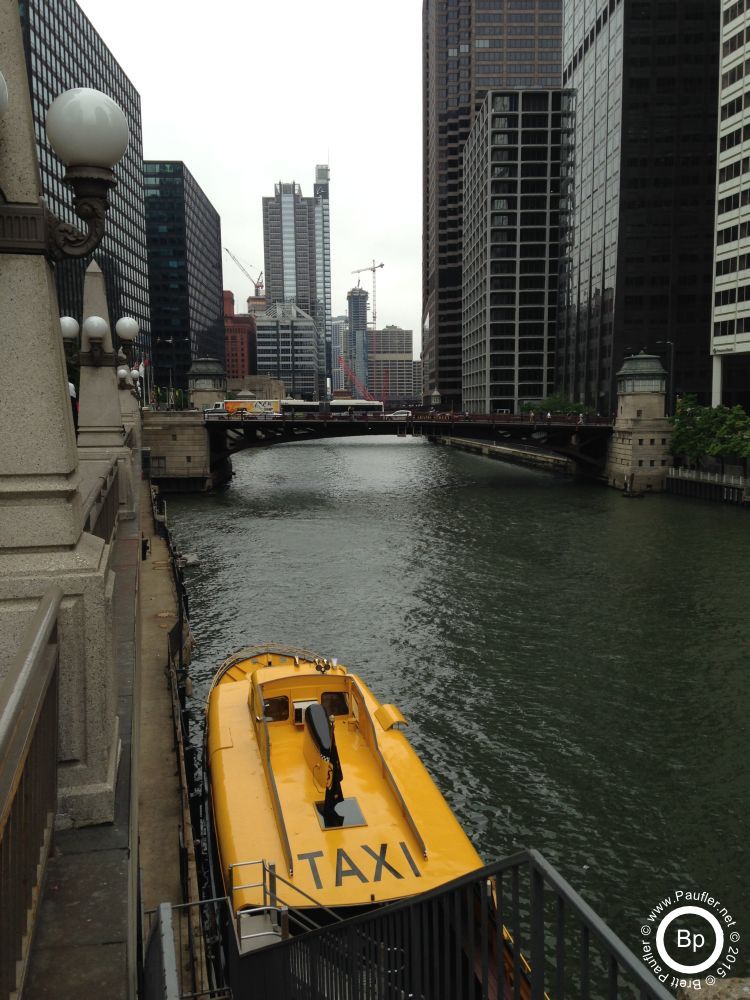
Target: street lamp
94,334
89,133
127,330
69,328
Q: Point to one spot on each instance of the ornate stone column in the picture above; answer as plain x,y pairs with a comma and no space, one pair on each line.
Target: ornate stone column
41,506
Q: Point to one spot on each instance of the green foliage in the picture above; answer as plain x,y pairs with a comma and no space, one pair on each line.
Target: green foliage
556,404
719,432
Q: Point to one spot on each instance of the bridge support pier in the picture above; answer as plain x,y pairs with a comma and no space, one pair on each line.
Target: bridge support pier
42,508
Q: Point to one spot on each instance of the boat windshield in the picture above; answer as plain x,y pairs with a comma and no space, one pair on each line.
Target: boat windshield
276,709
334,702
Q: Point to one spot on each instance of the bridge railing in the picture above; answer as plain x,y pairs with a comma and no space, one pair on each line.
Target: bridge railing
514,929
102,508
418,415
28,784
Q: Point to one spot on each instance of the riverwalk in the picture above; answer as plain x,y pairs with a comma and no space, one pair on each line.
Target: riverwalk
85,941
517,454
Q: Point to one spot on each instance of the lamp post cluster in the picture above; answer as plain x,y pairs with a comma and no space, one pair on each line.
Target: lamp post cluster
91,343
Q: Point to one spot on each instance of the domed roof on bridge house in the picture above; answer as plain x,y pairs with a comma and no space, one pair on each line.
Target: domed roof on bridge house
206,373
641,373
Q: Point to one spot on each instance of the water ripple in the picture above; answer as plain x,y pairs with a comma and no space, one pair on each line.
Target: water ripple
573,668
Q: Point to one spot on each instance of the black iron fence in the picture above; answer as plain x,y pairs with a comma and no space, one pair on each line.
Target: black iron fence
28,784
515,930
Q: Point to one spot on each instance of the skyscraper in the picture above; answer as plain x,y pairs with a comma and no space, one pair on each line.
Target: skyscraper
289,350
469,47
390,366
297,251
240,348
63,50
339,349
730,340
637,224
511,241
356,377
184,271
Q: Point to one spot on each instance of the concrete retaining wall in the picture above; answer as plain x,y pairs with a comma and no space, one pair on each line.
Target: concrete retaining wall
507,453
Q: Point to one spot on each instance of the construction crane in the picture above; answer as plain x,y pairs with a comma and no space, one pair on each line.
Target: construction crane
361,389
372,267
257,282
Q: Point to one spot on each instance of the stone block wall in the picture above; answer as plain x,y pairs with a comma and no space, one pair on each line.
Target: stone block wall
179,444
640,448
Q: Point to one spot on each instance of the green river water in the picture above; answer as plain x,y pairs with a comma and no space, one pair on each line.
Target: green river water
574,667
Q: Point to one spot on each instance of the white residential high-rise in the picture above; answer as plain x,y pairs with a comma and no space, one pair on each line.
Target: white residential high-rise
390,366
510,250
730,331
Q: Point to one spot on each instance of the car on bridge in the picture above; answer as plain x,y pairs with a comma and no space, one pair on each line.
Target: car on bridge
398,415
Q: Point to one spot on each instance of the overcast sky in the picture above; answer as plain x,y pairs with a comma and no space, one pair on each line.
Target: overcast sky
248,94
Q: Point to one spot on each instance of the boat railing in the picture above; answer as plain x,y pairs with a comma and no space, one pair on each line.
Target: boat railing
462,941
268,882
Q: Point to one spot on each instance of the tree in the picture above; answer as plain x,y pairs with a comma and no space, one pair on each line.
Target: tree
717,432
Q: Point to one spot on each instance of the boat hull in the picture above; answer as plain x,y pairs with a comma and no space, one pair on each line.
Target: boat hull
391,833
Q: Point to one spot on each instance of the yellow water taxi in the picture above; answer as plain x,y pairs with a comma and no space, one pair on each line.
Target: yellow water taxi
320,808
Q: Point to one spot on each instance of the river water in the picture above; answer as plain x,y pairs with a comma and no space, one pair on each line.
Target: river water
574,667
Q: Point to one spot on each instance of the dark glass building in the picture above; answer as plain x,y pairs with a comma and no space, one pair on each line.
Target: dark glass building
469,47
357,341
64,51
638,218
510,266
184,272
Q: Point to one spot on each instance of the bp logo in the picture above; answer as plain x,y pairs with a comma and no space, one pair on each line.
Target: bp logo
689,936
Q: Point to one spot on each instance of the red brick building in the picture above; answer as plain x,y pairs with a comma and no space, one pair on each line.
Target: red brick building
240,341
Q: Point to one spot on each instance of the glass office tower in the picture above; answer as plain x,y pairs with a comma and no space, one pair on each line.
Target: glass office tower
184,269
637,219
297,252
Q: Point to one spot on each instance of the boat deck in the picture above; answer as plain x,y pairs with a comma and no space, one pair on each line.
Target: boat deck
398,835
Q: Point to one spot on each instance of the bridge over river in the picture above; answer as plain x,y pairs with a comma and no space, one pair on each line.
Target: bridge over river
190,450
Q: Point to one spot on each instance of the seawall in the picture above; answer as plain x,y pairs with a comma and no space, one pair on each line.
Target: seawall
510,453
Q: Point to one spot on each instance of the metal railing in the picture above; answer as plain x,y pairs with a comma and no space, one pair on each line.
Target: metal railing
698,476
28,784
515,929
183,956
